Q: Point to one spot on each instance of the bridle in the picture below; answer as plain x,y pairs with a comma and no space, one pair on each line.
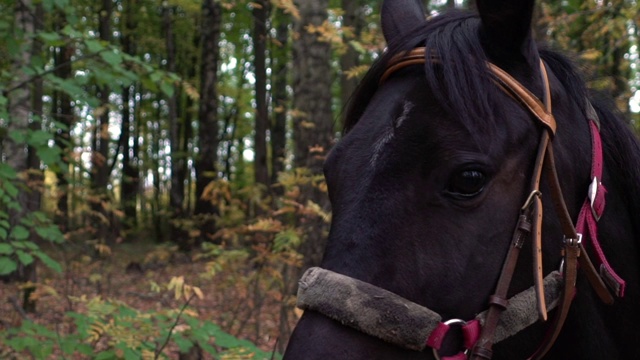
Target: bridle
557,289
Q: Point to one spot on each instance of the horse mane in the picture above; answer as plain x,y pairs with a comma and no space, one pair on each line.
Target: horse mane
454,37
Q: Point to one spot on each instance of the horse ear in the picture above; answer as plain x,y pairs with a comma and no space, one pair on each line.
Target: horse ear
506,23
398,17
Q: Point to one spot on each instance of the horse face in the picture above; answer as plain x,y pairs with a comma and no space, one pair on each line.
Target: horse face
423,204
425,195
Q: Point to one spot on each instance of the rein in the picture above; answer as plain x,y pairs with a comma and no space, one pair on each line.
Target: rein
557,289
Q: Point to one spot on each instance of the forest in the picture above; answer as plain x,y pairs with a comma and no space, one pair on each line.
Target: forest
161,185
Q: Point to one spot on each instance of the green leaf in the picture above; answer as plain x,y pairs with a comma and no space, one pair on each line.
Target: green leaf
6,249
94,45
5,26
68,346
11,190
183,344
111,57
226,340
208,348
130,354
30,245
7,265
167,88
19,233
18,244
51,233
106,355
39,138
49,155
69,86
24,257
43,350
49,262
51,38
19,136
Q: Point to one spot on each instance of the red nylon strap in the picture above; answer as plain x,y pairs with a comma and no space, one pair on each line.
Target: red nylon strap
592,210
437,335
470,334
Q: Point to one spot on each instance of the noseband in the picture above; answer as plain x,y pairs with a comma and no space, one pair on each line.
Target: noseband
415,327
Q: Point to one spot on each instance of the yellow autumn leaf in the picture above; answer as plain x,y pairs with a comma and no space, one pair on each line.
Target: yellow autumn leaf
198,292
591,54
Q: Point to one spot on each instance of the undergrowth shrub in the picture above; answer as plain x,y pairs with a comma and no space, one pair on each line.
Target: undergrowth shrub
113,330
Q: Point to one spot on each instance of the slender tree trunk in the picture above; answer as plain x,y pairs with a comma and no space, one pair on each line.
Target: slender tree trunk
280,60
155,139
354,21
191,111
100,156
63,114
313,122
260,34
130,177
176,193
35,176
207,114
20,109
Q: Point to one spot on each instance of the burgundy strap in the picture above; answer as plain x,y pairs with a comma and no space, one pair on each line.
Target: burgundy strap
470,333
592,210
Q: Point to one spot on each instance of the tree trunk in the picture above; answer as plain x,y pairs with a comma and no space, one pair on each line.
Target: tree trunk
352,19
280,55
176,193
63,114
159,218
100,157
130,176
20,110
207,114
260,34
35,177
313,119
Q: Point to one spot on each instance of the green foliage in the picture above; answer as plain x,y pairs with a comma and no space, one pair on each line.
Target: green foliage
112,330
17,234
604,36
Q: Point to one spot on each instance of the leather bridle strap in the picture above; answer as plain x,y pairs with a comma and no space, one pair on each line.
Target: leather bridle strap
531,216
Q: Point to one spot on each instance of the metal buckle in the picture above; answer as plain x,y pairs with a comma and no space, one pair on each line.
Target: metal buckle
450,322
592,194
573,241
533,195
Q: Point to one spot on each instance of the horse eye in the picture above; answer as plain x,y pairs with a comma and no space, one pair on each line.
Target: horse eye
467,183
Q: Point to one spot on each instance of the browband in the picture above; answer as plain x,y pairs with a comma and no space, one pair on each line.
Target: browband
418,56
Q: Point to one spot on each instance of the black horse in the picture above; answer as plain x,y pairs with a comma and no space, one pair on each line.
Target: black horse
430,178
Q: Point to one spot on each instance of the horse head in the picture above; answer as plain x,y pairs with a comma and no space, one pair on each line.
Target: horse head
438,165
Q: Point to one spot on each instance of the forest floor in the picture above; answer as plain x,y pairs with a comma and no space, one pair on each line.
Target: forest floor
243,305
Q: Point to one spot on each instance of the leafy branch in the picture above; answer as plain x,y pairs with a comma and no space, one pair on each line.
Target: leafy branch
173,326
